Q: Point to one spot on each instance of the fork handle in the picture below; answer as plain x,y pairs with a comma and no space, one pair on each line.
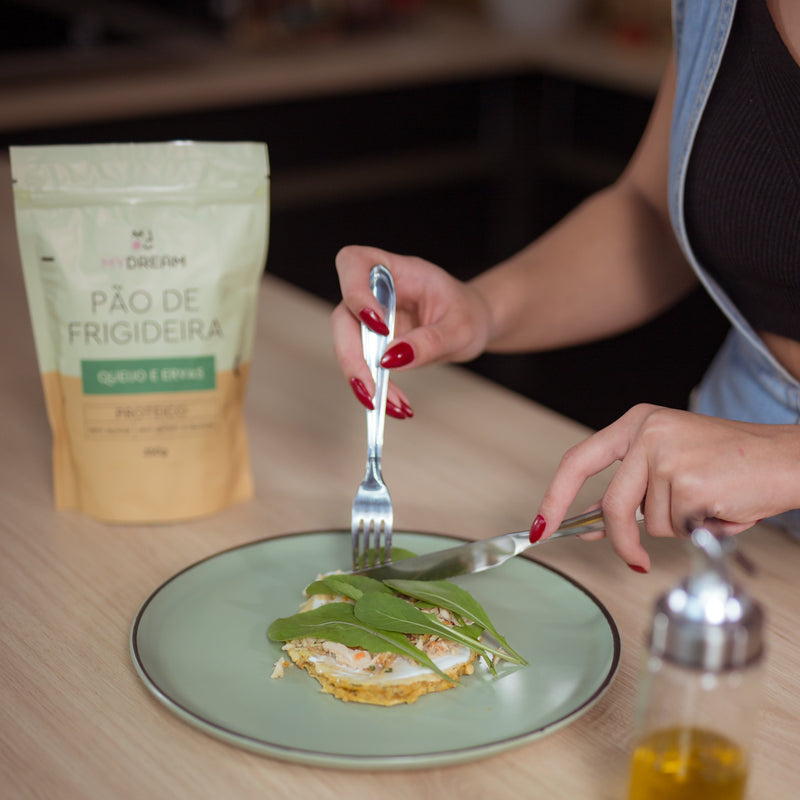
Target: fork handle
374,346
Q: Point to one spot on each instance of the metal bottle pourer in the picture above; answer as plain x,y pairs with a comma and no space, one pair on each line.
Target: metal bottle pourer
707,622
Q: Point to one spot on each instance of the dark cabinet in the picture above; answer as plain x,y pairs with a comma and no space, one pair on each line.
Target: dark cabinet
462,173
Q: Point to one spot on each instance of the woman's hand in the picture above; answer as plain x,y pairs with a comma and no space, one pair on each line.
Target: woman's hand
438,318
685,470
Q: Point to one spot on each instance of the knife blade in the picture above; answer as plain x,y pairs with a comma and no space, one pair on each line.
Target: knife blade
481,555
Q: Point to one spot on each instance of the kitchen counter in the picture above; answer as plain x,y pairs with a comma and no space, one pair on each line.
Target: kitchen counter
77,722
443,45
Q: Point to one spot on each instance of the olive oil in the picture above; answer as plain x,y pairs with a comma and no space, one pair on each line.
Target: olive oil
687,764
698,700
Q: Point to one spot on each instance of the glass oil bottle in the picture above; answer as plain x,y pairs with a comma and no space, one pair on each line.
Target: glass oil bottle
698,701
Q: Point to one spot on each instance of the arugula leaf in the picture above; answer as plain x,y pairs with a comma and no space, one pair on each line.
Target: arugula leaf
391,613
472,630
352,586
452,597
398,554
336,622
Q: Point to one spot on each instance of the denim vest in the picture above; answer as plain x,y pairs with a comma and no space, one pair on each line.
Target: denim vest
744,381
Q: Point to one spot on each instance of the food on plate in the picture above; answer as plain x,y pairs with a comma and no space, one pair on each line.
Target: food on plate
388,642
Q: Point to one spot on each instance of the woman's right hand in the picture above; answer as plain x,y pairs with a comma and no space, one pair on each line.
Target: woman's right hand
438,318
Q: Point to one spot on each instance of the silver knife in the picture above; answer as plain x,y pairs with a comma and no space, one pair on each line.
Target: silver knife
483,554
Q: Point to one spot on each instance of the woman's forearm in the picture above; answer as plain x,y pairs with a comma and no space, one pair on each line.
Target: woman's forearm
610,265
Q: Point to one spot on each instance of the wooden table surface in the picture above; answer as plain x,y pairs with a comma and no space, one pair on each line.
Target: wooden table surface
76,721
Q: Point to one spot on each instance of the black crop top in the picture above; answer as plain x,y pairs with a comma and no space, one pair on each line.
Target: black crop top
742,200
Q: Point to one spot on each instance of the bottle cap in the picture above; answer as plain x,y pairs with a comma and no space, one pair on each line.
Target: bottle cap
707,622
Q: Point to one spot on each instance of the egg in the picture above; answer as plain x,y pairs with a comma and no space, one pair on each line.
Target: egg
385,679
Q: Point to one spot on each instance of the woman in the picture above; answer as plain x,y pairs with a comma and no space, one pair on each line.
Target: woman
712,193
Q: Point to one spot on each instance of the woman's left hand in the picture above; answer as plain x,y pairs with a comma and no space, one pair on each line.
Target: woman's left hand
685,470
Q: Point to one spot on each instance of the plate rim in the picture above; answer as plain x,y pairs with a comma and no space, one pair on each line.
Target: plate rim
356,761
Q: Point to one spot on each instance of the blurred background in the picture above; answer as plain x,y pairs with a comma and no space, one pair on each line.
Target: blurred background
456,130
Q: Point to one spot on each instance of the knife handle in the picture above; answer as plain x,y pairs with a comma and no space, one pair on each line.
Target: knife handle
585,523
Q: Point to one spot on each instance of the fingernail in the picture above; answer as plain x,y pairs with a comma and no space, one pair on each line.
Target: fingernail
637,568
373,321
393,410
407,410
537,529
360,391
398,355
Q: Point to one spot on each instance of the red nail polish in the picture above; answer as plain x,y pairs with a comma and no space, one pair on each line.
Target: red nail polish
637,568
398,355
394,410
360,391
373,321
537,529
407,410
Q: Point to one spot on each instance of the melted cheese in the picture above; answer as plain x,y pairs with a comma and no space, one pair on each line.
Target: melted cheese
379,678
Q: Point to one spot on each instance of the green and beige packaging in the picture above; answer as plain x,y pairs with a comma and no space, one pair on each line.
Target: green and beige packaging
142,264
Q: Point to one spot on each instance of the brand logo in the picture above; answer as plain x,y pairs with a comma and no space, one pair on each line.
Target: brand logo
142,240
142,243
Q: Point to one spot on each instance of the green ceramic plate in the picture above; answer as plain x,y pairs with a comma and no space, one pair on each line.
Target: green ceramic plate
199,644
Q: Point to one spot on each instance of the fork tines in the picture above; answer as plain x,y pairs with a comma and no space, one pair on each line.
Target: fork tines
372,543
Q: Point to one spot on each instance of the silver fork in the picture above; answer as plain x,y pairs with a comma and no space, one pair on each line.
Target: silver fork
372,517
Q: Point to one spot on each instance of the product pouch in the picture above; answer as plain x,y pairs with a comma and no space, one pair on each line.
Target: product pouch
142,264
